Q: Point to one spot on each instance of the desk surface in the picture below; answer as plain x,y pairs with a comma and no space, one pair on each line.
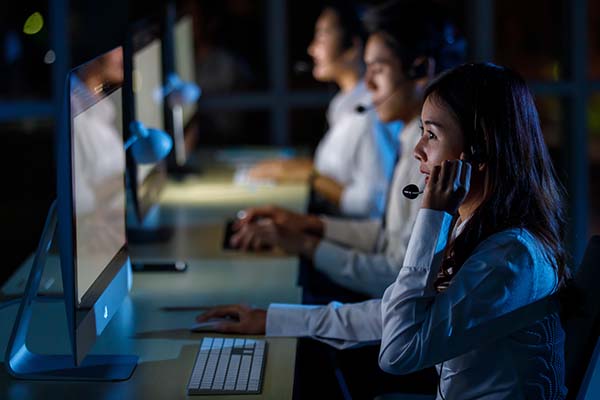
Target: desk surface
153,322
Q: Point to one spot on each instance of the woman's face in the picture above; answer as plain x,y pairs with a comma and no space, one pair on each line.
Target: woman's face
326,47
385,80
441,136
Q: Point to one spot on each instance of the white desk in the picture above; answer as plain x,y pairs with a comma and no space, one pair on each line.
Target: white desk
167,349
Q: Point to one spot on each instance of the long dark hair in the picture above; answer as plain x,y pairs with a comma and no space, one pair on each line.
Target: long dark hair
417,28
497,114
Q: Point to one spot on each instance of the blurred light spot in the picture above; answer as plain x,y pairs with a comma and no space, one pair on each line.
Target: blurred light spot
12,47
556,71
33,24
50,57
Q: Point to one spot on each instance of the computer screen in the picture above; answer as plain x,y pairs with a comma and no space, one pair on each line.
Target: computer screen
98,167
144,77
96,269
185,64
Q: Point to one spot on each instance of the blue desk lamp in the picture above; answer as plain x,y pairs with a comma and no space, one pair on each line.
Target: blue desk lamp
148,145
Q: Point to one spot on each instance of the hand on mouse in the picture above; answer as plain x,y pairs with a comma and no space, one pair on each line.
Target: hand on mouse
245,319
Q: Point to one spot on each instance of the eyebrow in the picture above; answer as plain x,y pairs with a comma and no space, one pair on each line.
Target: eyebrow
378,60
433,123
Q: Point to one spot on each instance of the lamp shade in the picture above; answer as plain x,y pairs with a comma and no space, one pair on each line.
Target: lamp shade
179,92
148,145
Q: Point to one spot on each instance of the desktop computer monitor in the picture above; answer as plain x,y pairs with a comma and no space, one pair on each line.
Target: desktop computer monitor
185,64
91,201
143,86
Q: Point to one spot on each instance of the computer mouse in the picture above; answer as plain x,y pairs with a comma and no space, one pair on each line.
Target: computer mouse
208,326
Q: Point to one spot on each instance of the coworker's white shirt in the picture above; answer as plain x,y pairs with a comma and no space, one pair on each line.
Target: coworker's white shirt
466,325
360,254
348,154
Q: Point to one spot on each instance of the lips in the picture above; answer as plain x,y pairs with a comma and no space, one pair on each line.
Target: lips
426,175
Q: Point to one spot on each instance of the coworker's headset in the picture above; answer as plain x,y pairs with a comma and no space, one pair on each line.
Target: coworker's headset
417,71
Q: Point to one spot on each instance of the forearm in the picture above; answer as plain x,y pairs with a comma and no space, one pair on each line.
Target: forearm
329,188
340,325
368,273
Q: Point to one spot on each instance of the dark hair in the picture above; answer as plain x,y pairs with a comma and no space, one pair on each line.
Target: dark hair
497,114
349,21
417,28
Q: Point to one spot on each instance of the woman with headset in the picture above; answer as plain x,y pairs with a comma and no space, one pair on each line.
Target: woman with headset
407,45
345,172
486,246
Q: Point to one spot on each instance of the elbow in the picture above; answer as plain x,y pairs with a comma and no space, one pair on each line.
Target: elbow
399,360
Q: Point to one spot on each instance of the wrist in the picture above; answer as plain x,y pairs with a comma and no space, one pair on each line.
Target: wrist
309,246
314,225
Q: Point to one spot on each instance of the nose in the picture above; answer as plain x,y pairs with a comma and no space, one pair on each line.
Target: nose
419,151
311,49
369,83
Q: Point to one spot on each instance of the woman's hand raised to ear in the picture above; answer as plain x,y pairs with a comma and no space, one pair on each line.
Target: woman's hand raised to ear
448,186
244,319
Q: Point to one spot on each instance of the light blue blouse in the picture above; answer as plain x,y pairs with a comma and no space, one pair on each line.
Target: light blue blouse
478,355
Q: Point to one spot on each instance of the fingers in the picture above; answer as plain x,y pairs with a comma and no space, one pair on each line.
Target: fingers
255,236
434,176
465,177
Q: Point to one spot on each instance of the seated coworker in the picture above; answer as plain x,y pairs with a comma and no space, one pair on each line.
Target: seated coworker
487,241
365,255
346,170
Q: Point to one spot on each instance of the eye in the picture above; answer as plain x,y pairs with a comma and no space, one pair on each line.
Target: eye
431,135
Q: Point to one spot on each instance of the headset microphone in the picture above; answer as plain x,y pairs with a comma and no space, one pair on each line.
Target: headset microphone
361,108
301,67
411,191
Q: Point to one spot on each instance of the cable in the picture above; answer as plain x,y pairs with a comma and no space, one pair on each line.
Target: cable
440,381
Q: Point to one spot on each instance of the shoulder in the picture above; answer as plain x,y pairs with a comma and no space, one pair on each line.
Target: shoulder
519,257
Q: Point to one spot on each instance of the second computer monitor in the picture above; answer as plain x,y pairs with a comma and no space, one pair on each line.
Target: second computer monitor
145,103
185,64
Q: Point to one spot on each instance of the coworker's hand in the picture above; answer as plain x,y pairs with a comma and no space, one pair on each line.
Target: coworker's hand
265,233
268,169
244,319
448,186
284,218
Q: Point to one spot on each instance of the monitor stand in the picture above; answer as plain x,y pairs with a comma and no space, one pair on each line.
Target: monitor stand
149,230
22,363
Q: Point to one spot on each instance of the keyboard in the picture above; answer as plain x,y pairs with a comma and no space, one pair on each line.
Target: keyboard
228,366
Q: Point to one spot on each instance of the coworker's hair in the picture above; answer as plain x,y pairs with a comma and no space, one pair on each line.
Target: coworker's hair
497,115
349,21
417,28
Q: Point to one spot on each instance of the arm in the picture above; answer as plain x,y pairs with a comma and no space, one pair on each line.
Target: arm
340,325
421,327
283,170
364,194
369,273
359,234
329,188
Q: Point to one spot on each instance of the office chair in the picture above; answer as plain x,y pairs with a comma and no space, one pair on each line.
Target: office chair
582,329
